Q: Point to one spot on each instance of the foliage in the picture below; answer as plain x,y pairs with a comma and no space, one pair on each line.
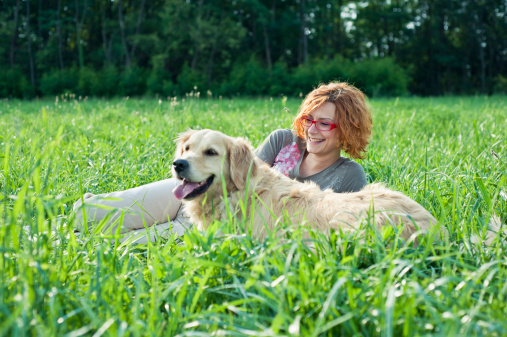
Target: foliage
501,84
376,77
380,77
14,84
449,154
158,83
59,82
247,77
88,83
167,47
190,80
109,77
132,81
279,81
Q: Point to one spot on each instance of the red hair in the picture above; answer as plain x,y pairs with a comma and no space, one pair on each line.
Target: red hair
352,115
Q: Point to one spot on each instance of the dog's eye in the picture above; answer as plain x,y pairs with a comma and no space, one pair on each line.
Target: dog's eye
187,147
210,152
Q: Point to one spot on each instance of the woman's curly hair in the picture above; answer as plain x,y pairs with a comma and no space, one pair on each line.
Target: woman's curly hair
352,115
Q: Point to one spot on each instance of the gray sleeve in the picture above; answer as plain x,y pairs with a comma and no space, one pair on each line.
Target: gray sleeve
268,151
354,179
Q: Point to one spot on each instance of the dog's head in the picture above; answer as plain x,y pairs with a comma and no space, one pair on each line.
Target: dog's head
203,156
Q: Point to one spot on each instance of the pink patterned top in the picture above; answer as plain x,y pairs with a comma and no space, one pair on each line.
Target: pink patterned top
287,159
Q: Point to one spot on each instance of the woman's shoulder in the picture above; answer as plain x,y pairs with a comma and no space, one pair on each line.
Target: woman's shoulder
273,144
282,133
352,165
353,178
348,168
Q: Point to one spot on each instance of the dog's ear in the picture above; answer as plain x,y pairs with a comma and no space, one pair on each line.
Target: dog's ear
182,138
241,157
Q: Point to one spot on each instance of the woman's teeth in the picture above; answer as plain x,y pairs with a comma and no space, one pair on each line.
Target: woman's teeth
315,140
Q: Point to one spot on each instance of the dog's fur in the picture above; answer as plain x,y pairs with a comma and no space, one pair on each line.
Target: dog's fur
276,196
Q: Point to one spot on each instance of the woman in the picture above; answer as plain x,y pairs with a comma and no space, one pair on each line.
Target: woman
333,118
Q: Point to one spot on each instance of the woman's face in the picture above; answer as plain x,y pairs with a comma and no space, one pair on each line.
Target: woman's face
322,142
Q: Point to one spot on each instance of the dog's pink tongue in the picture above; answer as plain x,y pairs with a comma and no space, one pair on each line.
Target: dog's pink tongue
181,191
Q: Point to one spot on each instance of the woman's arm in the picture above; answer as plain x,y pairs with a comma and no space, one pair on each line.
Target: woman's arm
270,148
354,179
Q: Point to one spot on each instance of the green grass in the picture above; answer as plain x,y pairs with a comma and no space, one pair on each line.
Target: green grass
438,151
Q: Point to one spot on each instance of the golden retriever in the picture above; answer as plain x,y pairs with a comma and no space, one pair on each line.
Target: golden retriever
206,158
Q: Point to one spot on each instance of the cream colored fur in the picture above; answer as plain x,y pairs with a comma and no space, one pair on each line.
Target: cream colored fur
275,195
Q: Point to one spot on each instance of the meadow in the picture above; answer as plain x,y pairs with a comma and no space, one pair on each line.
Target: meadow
449,154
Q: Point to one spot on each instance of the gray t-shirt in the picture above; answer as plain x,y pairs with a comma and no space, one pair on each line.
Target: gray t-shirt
284,151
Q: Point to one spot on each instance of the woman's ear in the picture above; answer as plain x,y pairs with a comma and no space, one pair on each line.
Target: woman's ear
241,158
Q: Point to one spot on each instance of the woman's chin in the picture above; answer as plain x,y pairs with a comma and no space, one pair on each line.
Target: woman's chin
314,147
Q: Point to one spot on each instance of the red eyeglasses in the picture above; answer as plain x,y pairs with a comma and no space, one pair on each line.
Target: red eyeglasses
322,126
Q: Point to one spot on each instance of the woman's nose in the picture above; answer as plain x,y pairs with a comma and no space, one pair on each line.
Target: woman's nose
313,128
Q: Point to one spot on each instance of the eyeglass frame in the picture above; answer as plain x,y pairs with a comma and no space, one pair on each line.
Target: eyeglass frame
333,125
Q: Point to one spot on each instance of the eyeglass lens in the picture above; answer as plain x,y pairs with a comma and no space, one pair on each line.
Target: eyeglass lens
323,126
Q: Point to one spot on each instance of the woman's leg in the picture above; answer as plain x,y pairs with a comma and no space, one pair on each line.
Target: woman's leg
177,226
142,206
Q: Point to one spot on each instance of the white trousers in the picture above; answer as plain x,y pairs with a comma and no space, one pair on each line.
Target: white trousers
145,211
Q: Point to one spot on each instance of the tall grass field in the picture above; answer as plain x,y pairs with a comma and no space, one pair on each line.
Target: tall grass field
449,154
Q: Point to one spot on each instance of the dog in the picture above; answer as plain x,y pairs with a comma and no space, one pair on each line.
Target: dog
209,162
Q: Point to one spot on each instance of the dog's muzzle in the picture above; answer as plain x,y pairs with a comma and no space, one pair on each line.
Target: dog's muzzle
188,189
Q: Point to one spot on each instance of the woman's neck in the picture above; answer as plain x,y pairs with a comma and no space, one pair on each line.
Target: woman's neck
314,163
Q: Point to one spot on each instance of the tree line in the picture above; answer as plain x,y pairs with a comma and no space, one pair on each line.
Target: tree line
253,47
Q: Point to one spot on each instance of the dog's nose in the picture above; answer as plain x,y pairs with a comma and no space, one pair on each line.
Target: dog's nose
180,165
